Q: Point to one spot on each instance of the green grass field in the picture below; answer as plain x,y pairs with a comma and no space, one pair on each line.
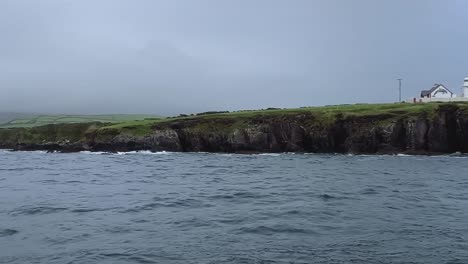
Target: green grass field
39,120
141,124
323,113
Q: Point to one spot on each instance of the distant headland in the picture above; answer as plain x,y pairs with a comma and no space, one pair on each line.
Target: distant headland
428,128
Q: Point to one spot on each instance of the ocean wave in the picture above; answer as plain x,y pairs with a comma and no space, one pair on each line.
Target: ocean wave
140,152
369,191
269,154
40,151
272,230
167,203
94,152
238,195
456,155
89,210
329,197
29,151
7,232
226,154
38,210
143,152
5,150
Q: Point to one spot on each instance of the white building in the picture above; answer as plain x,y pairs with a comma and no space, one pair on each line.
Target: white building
438,91
465,88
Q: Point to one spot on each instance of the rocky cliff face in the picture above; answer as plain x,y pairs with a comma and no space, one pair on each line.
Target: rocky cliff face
443,131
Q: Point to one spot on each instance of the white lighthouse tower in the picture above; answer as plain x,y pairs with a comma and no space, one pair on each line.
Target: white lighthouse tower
465,88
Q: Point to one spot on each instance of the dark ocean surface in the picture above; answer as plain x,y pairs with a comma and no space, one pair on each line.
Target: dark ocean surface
220,208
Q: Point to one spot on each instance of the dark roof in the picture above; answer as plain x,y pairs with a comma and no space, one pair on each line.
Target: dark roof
425,93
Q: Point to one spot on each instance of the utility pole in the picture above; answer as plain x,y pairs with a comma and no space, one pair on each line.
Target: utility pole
399,89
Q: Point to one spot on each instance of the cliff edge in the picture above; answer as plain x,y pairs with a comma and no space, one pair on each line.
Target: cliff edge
392,128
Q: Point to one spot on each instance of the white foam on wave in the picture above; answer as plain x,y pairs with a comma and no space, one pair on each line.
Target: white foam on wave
451,156
320,154
379,155
143,152
403,155
94,152
155,152
140,152
37,151
270,154
5,150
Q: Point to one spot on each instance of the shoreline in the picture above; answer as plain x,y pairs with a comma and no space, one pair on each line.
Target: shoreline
400,154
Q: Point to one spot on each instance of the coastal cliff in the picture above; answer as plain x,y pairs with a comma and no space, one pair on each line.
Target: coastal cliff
413,129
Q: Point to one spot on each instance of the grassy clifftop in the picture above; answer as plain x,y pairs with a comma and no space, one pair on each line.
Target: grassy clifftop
40,120
323,115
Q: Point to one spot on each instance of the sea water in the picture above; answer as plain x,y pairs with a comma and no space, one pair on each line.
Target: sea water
144,207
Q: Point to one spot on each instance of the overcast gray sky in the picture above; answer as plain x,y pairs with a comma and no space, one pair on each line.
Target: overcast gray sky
174,56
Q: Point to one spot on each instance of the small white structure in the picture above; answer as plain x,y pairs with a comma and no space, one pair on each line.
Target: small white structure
438,91
465,88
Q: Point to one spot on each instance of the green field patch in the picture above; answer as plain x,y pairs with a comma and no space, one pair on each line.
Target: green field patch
41,120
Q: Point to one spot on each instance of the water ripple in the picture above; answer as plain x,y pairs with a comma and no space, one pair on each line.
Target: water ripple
38,210
276,229
7,232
